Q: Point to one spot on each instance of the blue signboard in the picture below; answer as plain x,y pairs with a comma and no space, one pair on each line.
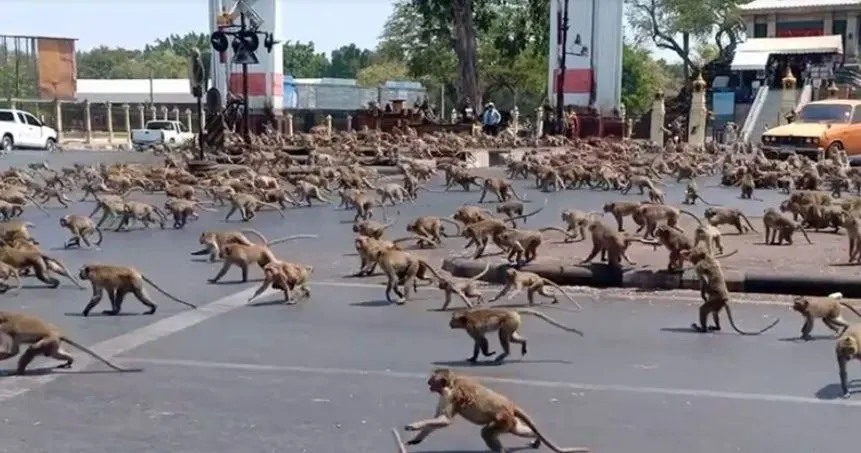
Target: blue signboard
723,106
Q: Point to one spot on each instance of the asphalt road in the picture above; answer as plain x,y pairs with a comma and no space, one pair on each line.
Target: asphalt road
335,373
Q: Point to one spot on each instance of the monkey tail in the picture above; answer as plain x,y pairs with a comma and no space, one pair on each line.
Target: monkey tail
133,189
480,274
531,213
398,441
456,224
742,332
101,236
800,228
568,296
98,357
691,214
256,234
64,271
275,207
709,204
514,192
851,308
36,204
290,238
726,255
551,321
566,233
525,418
747,221
167,294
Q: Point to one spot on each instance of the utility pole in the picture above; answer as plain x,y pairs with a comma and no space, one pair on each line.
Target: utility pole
246,118
562,43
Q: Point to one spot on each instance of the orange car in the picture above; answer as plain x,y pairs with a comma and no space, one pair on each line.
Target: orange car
819,128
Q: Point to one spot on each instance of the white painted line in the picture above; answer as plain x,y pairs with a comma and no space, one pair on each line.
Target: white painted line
693,393
13,386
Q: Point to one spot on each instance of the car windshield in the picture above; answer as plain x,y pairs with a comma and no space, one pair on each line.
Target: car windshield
825,113
159,125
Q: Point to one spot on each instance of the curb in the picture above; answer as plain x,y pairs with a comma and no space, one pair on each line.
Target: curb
602,276
100,147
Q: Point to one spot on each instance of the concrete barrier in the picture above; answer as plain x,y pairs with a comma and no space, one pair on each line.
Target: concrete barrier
600,275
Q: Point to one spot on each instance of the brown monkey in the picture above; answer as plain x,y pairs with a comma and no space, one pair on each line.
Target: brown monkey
16,229
372,228
675,242
533,283
500,187
828,309
47,193
621,209
577,221
848,347
747,186
8,272
34,260
368,248
143,212
431,227
612,245
403,268
779,228
478,322
471,214
398,441
216,240
728,216
44,339
10,210
496,413
714,292
182,210
692,194
648,216
81,227
642,182
285,276
511,209
852,225
248,205
465,291
657,196
243,256
118,281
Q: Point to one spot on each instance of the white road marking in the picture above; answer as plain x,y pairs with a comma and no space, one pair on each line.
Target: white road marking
692,393
13,386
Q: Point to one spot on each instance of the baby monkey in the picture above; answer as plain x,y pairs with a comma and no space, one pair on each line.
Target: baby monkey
478,322
81,228
465,291
494,412
827,309
533,283
287,277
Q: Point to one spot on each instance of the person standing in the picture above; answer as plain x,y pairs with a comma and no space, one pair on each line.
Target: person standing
490,119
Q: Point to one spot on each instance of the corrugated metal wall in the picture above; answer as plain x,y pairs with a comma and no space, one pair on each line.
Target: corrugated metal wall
56,68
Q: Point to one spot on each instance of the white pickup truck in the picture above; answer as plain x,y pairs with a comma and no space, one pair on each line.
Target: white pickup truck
156,132
19,129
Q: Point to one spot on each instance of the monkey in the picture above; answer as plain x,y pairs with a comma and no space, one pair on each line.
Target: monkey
847,347
398,441
118,281
182,210
522,245
8,272
41,264
728,216
143,212
215,240
533,283
278,195
577,221
642,182
611,244
16,229
747,185
478,322
511,209
825,308
465,291
44,339
371,228
496,413
248,205
306,191
648,215
10,210
243,256
367,248
431,227
692,194
471,214
621,209
479,233
400,266
709,236
365,204
285,276
656,196
779,228
463,178
47,193
852,224
501,188
81,227
675,242
394,193
714,292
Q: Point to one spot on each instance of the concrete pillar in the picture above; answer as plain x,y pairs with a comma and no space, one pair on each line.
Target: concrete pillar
189,120
828,23
349,122
790,96
539,122
88,122
176,114
659,113
289,125
329,125
851,50
772,25
127,119
152,113
141,115
453,116
164,113
515,119
13,104
750,27
698,114
110,120
58,119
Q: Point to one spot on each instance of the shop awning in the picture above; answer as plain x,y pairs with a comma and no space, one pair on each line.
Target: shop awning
793,45
749,61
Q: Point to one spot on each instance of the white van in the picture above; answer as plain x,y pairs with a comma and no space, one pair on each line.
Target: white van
19,129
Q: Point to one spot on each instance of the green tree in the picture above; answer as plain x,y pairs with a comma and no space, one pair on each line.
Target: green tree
676,24
16,81
378,73
301,60
347,61
642,77
182,45
106,63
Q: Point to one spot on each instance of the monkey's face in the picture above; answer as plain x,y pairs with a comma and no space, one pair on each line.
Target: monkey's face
609,207
357,228
800,304
439,380
411,227
457,321
84,273
708,213
64,221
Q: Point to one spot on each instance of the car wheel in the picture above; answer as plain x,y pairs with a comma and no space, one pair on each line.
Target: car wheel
832,149
7,144
51,145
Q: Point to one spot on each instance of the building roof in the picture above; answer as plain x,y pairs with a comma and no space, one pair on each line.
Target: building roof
132,91
793,45
762,5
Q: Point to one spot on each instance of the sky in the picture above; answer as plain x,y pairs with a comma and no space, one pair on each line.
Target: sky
135,23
